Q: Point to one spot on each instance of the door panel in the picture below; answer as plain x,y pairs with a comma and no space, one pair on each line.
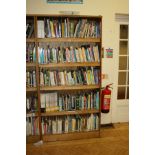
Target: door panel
120,112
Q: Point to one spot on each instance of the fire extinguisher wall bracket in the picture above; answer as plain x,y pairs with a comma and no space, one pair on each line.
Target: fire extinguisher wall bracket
105,99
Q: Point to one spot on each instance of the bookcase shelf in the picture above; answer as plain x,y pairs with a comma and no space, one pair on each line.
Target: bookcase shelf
66,39
32,139
28,64
72,136
30,89
70,64
76,87
32,114
60,113
90,40
30,40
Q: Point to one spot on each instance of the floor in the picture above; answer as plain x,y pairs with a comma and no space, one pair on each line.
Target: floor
114,141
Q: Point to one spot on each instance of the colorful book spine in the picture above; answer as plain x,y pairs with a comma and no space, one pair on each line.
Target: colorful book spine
47,54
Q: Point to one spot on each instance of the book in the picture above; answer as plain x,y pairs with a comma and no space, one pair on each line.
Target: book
43,102
31,31
59,28
45,28
52,82
54,127
81,55
77,55
63,29
40,29
34,54
96,53
49,35
67,27
34,79
52,29
66,124
76,29
56,28
68,55
72,28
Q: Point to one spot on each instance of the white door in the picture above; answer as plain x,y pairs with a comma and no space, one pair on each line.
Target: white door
120,106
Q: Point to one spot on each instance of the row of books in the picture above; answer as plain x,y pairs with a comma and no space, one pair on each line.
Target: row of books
32,126
69,102
29,29
85,53
30,52
73,123
31,78
31,104
82,76
57,28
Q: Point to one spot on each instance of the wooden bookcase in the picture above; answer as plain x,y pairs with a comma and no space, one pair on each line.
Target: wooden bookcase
33,18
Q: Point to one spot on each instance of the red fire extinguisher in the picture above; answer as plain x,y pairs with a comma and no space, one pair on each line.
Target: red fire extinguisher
105,99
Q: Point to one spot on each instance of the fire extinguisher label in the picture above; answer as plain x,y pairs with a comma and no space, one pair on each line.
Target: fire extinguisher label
107,96
107,102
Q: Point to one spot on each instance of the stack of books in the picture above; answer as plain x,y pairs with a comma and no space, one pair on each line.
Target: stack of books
73,123
82,76
85,53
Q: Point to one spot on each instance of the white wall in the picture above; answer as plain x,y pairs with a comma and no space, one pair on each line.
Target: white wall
106,8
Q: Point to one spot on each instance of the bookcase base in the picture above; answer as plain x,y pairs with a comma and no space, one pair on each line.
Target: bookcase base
71,136
32,139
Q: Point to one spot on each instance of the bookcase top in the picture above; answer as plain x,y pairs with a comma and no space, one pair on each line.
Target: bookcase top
63,15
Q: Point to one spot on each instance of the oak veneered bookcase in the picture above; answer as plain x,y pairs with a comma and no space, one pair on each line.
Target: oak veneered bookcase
85,121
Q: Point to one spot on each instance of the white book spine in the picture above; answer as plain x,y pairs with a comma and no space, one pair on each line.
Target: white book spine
34,79
80,53
42,126
52,82
77,55
62,78
40,25
66,124
97,122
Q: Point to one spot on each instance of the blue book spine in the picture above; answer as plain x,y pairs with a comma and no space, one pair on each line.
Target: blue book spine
75,55
41,55
97,100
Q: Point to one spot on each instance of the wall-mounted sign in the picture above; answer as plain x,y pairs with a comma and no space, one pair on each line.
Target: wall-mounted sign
66,1
109,53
